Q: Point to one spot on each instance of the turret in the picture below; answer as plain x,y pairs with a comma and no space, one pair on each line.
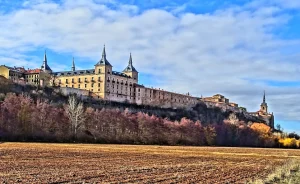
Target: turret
130,70
45,67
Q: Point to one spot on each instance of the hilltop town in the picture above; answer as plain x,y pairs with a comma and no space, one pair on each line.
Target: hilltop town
101,82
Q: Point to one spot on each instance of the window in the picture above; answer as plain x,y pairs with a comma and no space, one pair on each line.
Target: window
66,85
99,70
78,85
72,80
67,81
92,85
72,86
85,85
79,80
99,85
85,79
99,79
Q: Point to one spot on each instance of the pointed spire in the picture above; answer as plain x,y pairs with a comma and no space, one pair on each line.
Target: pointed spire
103,52
130,67
45,66
103,60
264,98
45,57
130,60
73,65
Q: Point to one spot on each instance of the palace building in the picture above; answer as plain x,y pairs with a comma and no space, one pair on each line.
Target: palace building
102,82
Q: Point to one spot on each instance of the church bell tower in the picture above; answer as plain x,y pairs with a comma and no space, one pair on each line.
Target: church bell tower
264,105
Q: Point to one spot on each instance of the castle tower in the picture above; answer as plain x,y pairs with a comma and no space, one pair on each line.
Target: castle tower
45,67
264,105
130,70
103,66
73,65
103,70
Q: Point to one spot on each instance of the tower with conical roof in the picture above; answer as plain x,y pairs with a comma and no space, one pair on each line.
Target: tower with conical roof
103,66
73,65
264,105
130,70
45,67
103,72
103,60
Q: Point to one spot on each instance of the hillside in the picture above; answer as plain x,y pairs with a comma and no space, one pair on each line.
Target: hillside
199,112
29,113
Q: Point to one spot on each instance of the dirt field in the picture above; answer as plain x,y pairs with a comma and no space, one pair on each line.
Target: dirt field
78,163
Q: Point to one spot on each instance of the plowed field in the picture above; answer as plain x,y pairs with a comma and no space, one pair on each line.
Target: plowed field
79,163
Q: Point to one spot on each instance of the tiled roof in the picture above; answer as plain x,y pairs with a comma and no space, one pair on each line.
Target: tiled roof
76,72
29,71
86,72
120,74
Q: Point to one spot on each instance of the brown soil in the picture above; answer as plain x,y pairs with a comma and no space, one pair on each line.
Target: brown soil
78,163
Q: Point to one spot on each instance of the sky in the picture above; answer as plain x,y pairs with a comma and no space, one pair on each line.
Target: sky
238,48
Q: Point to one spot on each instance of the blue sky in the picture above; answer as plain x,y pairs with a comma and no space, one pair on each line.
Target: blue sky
238,48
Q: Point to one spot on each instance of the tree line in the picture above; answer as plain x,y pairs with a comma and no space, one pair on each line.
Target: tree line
24,119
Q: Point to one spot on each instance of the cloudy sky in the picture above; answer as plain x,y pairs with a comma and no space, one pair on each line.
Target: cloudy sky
238,48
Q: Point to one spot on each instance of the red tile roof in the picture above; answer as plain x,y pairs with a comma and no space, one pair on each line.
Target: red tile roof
33,71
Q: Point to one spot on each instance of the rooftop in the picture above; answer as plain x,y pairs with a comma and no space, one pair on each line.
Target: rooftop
86,72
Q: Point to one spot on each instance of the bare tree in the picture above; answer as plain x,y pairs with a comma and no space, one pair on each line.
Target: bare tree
75,111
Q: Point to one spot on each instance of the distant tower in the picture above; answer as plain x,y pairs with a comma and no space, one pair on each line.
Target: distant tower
264,105
130,70
45,67
73,65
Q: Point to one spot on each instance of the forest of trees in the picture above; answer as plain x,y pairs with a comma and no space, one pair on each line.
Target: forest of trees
25,119
29,113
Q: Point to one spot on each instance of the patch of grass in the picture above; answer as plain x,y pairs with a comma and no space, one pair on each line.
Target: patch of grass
289,173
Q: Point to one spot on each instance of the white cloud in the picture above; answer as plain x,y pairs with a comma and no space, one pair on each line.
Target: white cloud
204,54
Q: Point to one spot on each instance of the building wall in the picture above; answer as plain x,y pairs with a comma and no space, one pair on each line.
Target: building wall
119,88
4,71
103,84
32,78
79,92
89,82
165,99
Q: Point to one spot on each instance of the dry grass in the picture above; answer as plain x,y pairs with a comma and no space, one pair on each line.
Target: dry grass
286,173
78,163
